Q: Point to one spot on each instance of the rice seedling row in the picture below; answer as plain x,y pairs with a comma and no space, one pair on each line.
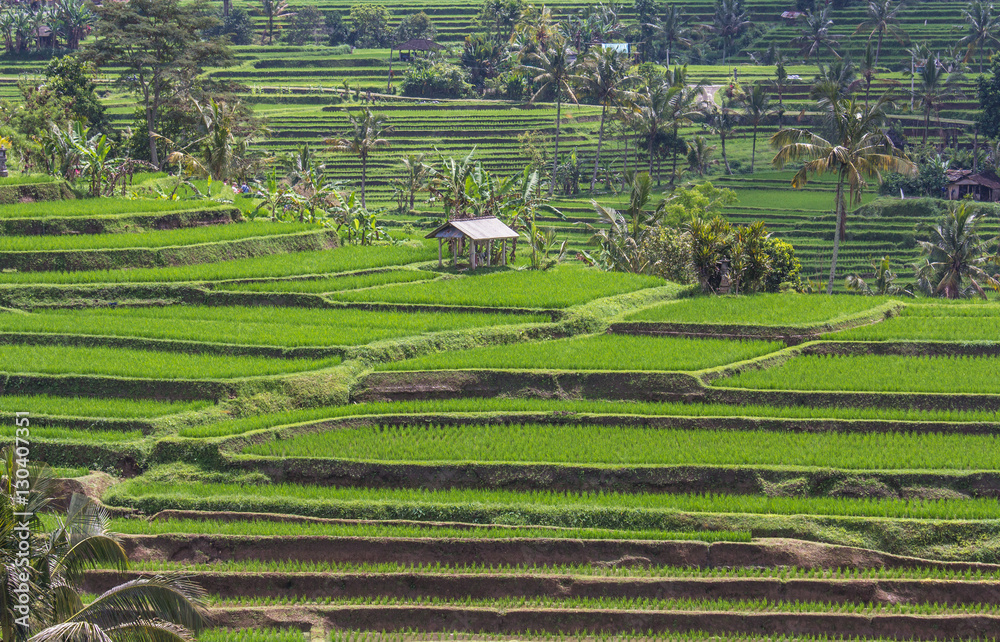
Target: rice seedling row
629,446
945,374
596,352
331,501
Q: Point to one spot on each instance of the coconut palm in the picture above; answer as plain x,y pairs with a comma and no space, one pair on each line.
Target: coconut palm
417,173
674,29
816,35
553,71
365,137
935,87
223,149
651,117
883,18
779,84
722,120
858,151
606,79
756,108
621,235
685,103
834,82
729,21
158,609
955,256
699,155
274,10
983,26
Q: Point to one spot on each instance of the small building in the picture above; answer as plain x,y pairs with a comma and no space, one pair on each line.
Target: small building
407,49
982,186
791,16
483,230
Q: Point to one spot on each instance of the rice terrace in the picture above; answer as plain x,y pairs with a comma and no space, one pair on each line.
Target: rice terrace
353,321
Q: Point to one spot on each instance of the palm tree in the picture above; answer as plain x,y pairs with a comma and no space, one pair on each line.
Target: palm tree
779,84
622,232
883,17
983,26
223,150
417,173
954,254
366,136
605,79
674,29
835,82
722,120
816,35
274,10
756,108
729,22
158,609
652,114
935,87
859,151
867,69
700,155
553,72
686,102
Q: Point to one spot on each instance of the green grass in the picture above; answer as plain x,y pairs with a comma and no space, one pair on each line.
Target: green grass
935,322
271,326
104,206
334,284
253,635
477,405
120,362
343,259
759,309
166,238
557,288
596,352
93,407
618,445
343,501
56,433
292,529
979,375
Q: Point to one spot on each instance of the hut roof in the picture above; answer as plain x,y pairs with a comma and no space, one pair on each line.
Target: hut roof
965,176
418,44
486,228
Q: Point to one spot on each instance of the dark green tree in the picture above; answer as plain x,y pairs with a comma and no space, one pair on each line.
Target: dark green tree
989,101
71,78
159,48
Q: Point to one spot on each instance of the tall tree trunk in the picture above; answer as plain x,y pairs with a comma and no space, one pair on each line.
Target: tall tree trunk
670,46
839,208
364,173
600,139
975,148
625,166
753,152
225,7
725,158
673,172
555,156
651,137
878,48
154,158
927,124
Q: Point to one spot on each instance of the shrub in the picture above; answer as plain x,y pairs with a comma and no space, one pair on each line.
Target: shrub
436,80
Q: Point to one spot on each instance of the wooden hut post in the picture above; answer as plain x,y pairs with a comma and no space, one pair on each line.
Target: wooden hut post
440,251
489,253
503,252
472,255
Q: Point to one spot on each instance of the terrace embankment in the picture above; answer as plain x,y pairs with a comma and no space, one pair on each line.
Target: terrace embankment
768,553
733,480
635,386
535,584
117,223
571,621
